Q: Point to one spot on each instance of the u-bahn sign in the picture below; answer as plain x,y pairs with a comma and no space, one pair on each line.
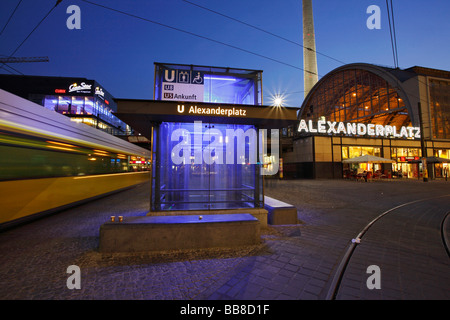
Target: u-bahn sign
182,85
358,129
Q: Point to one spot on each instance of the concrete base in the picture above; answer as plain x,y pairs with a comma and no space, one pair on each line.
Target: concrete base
280,212
259,213
160,233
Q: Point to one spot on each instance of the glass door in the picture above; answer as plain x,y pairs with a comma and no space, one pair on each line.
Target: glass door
206,166
233,172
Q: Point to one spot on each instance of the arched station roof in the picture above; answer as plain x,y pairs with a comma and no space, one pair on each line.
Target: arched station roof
363,93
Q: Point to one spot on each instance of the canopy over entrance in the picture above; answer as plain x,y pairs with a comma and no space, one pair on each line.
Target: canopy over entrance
140,114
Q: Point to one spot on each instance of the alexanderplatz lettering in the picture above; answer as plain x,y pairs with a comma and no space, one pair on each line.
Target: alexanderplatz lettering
360,129
218,111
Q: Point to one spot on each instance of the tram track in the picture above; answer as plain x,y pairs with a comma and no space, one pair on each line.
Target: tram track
445,238
336,281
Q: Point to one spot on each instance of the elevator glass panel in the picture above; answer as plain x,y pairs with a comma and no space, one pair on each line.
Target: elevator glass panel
205,166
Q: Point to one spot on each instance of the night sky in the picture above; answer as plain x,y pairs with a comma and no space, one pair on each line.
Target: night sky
119,50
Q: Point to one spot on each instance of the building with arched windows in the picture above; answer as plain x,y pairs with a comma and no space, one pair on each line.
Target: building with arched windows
360,109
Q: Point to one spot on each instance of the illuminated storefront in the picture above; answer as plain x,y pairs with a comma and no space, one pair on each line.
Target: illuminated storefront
212,139
359,109
83,100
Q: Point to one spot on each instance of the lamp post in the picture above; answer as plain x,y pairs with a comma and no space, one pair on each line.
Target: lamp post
278,102
422,144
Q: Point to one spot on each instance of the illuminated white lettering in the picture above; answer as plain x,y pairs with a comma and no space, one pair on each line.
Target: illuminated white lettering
410,132
310,126
302,126
417,135
341,128
331,126
394,132
233,112
371,129
321,126
361,129
351,128
379,130
388,130
403,132
82,86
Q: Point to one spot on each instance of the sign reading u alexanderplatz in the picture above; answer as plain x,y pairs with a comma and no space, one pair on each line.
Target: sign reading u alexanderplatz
212,111
360,129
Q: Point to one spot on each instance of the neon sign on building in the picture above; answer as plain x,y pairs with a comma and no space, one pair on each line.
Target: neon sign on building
358,129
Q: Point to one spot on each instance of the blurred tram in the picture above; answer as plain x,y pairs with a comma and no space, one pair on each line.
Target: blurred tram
49,163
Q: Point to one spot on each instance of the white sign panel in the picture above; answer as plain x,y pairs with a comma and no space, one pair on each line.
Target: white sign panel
80,88
182,85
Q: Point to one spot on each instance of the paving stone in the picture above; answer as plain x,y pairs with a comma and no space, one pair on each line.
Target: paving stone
292,262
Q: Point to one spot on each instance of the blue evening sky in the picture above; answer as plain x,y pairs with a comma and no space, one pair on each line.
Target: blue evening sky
119,51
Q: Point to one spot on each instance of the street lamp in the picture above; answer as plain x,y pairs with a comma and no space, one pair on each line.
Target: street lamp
278,101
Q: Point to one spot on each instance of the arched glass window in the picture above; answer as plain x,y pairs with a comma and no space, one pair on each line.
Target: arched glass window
356,95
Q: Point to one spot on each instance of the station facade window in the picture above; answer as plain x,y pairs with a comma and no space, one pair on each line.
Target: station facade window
356,151
440,108
442,170
357,95
442,153
406,152
402,156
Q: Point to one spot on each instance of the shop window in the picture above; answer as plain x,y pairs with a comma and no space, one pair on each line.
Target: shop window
344,152
77,105
64,105
442,153
408,152
88,105
51,102
353,152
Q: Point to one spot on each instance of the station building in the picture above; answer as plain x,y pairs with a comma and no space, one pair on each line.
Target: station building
359,109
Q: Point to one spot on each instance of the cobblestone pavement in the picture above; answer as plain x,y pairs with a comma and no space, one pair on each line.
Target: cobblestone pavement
292,262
